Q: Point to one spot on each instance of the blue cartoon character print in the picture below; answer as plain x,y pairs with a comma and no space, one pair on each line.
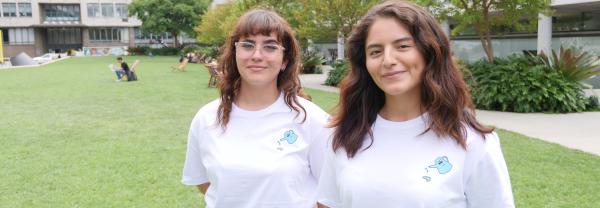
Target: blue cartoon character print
442,165
289,136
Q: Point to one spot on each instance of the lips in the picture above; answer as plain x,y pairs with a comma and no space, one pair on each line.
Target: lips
392,74
255,67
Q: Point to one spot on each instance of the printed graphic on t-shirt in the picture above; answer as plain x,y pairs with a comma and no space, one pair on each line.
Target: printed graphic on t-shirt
289,137
442,164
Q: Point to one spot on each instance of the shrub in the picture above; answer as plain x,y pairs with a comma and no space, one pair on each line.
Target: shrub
573,64
143,50
211,52
311,62
165,51
339,71
190,49
592,103
523,84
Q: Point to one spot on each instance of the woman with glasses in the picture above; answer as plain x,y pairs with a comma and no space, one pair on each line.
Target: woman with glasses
406,133
259,144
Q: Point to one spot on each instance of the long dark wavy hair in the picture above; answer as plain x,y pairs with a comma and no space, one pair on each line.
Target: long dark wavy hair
444,94
263,22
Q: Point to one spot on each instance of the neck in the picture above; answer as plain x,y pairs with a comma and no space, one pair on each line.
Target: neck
255,98
402,107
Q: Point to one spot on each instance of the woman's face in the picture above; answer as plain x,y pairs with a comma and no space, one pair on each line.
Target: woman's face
393,59
259,60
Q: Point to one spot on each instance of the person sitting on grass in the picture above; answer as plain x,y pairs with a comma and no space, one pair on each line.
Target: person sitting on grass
124,69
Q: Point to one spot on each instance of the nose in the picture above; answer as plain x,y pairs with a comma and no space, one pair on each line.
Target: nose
257,54
388,57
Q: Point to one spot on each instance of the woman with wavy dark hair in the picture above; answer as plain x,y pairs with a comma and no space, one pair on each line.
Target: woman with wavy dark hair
406,133
260,144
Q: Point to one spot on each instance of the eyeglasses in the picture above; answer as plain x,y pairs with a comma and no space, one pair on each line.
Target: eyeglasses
244,48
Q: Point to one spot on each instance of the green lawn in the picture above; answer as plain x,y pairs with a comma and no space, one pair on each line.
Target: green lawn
73,137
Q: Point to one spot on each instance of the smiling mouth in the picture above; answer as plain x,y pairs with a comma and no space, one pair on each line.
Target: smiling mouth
256,68
393,74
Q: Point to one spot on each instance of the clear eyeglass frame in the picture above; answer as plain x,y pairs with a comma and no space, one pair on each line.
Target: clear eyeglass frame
248,48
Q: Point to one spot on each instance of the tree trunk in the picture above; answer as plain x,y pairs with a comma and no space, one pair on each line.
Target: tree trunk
483,28
487,47
176,39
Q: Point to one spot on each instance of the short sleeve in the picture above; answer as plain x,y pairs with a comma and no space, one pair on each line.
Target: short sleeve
489,184
328,191
194,172
318,147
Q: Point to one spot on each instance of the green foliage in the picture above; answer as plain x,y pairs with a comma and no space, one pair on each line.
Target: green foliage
212,52
217,23
324,20
165,51
573,64
592,103
142,50
339,71
145,50
485,15
523,84
311,61
285,8
173,16
190,49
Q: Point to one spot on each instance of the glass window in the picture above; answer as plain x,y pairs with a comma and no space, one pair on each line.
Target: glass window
61,12
24,9
5,36
16,36
105,34
121,10
93,9
9,9
115,33
107,10
592,20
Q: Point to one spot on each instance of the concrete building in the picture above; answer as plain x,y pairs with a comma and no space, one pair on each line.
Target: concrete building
41,26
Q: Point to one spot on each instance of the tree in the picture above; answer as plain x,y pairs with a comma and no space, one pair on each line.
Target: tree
172,16
486,16
326,19
285,8
217,23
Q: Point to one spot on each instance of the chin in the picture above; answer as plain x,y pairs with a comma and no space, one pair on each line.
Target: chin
395,90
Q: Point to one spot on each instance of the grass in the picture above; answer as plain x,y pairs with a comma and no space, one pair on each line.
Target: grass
73,137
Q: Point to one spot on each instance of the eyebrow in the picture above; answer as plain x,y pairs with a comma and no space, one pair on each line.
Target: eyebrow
399,40
266,41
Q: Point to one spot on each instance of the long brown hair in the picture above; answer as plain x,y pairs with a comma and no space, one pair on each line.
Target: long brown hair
444,94
264,22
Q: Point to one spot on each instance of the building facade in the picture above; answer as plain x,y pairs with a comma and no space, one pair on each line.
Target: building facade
41,26
574,23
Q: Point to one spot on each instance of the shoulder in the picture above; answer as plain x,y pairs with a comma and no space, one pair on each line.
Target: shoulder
480,146
313,111
480,141
207,114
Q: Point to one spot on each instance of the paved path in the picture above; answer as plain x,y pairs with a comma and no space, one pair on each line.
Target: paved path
315,81
574,130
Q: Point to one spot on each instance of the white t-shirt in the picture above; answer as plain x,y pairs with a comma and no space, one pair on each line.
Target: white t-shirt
405,169
264,159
